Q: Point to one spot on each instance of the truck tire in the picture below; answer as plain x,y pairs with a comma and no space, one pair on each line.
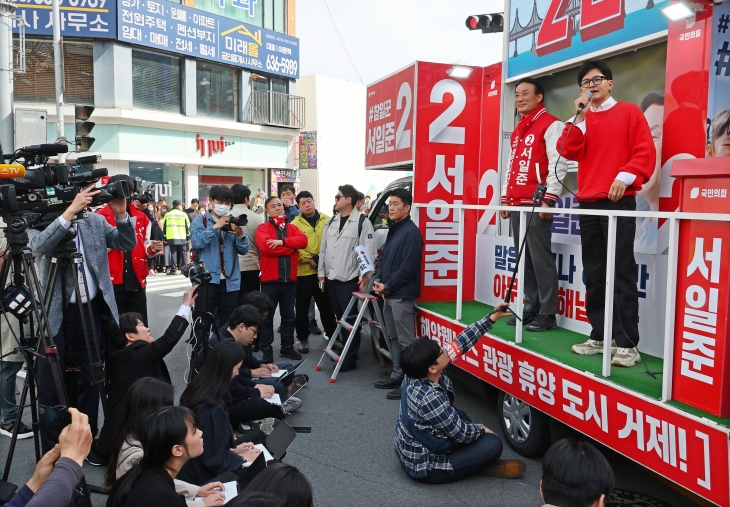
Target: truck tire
526,429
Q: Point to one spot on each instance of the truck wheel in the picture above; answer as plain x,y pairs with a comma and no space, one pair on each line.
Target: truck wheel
526,429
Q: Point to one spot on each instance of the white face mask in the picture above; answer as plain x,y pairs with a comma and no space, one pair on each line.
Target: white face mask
221,209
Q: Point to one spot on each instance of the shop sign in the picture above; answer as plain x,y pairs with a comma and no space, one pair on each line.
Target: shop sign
680,448
214,145
307,150
184,30
79,18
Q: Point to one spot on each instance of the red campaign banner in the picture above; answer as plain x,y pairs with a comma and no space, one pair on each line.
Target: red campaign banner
390,120
448,136
677,446
489,187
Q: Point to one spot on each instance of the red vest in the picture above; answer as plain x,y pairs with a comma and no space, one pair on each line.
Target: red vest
139,254
528,158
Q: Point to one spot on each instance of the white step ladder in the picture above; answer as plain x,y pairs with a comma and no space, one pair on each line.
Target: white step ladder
377,329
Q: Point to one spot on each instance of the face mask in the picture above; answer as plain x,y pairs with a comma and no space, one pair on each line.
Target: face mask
221,209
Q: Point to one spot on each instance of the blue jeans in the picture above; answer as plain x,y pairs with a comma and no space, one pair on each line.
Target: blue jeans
8,410
468,460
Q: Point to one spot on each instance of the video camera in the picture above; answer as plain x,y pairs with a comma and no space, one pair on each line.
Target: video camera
241,220
196,272
143,191
47,189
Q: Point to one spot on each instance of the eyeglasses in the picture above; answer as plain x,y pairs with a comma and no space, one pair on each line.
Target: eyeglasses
338,197
597,80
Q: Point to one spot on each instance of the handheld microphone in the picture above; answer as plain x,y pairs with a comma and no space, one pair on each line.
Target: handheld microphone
590,97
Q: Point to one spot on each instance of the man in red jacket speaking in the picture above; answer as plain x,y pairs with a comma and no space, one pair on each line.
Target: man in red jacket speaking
279,243
613,145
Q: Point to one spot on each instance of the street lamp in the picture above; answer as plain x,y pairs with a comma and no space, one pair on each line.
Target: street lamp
678,11
459,72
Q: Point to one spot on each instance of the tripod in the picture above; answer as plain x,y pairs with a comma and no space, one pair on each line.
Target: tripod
20,257
200,333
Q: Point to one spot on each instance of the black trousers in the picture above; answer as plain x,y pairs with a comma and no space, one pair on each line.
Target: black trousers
250,281
221,303
282,295
252,409
308,288
340,294
594,241
83,394
178,256
132,301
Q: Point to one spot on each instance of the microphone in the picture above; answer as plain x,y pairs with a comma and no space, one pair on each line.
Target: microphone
44,149
590,97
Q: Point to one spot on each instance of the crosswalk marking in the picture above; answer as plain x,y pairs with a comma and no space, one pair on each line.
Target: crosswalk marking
173,294
167,284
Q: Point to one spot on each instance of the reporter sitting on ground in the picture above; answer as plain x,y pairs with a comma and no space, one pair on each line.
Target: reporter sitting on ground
247,401
286,482
146,397
136,354
575,474
170,438
435,442
206,395
59,470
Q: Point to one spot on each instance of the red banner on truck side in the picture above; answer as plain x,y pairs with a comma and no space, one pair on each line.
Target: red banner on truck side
679,447
390,119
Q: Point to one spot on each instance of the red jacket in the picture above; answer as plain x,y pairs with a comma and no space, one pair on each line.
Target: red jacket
139,254
279,264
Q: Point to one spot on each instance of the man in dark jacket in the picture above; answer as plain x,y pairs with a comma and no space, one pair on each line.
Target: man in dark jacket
398,280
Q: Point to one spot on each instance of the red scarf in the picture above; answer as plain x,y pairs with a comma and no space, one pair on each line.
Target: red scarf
279,221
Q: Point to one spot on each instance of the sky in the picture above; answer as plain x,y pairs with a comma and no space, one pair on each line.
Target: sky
383,36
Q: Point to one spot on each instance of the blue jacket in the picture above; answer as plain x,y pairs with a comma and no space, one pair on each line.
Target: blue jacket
205,242
399,264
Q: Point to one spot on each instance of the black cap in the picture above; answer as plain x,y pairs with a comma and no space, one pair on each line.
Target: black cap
176,202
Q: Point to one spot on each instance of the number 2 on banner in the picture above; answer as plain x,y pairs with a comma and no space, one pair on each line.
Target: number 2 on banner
440,130
402,136
596,19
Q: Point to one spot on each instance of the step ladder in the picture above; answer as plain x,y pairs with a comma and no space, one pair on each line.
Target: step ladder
377,329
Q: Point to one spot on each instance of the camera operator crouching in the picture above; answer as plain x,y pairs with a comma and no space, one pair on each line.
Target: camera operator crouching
218,242
93,235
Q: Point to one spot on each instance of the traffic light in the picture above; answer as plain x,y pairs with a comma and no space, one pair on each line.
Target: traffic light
487,23
84,128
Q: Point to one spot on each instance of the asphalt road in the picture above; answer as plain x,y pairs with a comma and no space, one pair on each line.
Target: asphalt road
348,456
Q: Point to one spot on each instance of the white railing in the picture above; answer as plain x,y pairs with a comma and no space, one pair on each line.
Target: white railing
673,219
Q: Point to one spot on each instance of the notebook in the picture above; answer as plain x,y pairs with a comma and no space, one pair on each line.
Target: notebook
231,492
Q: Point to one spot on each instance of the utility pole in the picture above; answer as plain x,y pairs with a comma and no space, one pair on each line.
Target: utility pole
58,73
7,126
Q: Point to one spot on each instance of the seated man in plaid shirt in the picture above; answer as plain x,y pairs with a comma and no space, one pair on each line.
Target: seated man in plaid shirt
435,442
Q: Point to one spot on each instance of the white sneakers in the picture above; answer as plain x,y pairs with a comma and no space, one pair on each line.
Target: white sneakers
592,347
626,357
622,356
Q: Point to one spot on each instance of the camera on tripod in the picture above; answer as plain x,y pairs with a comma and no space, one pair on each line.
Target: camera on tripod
241,220
196,272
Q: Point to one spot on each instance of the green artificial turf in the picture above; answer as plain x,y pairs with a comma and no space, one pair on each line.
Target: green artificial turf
556,344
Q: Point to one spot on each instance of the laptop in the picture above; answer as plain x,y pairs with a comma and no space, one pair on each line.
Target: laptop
290,373
278,440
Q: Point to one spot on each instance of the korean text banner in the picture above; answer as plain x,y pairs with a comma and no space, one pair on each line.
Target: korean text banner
544,33
79,18
180,29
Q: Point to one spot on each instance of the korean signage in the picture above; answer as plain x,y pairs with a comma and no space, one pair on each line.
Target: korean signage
390,119
79,18
546,33
307,150
211,146
181,29
690,453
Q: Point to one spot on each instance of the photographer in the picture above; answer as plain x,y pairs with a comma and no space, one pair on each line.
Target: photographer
129,268
219,243
93,235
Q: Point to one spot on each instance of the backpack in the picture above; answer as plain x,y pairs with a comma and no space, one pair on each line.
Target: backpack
359,224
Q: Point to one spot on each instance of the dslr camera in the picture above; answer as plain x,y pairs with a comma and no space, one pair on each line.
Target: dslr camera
241,220
196,272
143,191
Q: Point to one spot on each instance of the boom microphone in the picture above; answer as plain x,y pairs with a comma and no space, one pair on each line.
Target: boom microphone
590,97
44,149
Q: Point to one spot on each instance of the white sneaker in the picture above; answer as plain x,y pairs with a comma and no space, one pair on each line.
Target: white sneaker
592,347
291,405
626,357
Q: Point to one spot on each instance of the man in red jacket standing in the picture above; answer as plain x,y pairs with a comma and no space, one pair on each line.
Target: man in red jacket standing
613,145
129,269
279,243
534,161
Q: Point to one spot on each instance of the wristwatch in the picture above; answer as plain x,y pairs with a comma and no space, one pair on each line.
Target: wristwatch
549,203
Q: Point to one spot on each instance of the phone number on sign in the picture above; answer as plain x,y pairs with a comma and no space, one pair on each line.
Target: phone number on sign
73,3
284,65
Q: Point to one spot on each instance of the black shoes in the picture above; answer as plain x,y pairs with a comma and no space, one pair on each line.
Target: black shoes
542,323
96,459
172,272
388,384
268,358
394,394
526,319
314,328
337,347
303,347
290,354
23,430
348,366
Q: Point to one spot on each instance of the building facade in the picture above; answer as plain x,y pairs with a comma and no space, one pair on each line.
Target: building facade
187,95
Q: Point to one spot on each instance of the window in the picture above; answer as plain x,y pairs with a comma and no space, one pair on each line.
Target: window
217,90
156,81
38,83
269,14
279,16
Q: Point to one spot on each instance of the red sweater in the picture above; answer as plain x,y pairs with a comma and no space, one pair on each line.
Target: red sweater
140,252
616,140
279,264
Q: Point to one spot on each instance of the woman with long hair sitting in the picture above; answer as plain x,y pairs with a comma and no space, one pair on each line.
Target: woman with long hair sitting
206,395
285,482
170,437
147,396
